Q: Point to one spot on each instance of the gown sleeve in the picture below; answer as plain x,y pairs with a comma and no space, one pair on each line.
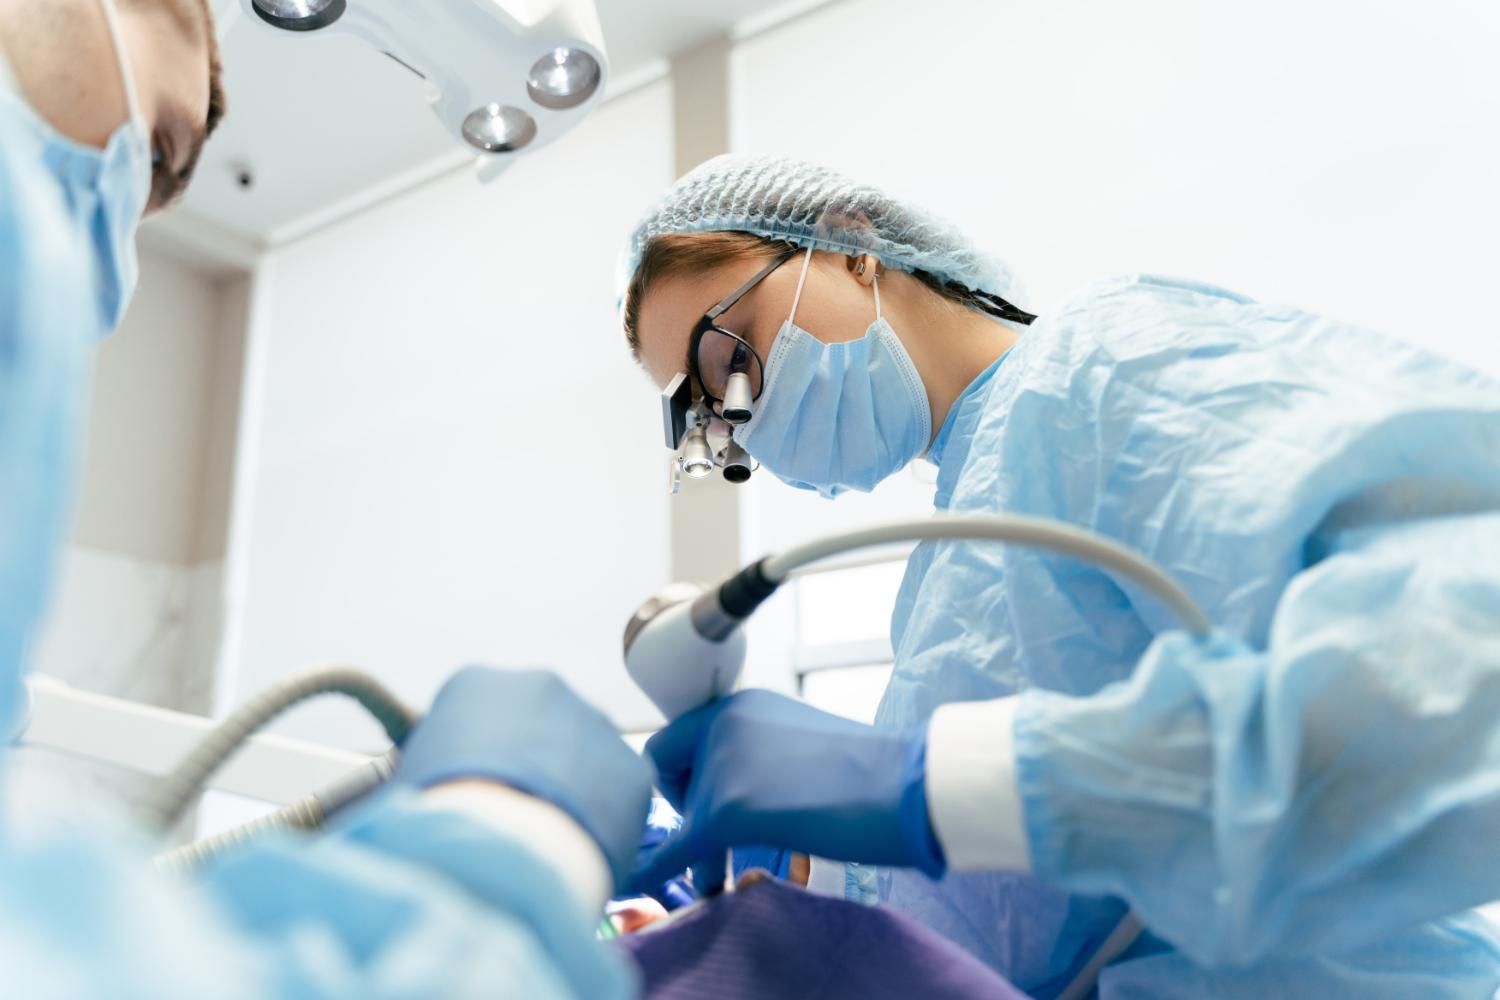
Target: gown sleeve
405,901
1322,793
1324,772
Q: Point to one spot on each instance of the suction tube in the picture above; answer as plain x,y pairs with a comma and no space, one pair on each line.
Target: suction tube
684,647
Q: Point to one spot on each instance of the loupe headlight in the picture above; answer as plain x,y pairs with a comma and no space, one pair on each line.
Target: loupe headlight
697,457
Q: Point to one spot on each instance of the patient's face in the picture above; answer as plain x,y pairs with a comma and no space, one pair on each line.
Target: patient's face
637,914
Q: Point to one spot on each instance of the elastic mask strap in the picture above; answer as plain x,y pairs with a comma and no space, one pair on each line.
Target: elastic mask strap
8,83
122,60
801,280
875,284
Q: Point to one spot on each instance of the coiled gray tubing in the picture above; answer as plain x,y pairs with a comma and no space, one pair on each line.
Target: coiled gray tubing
181,787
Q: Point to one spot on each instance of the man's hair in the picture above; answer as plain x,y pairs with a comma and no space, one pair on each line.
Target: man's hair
217,102
197,19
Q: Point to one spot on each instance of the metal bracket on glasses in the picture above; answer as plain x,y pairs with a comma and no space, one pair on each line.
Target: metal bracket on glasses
685,424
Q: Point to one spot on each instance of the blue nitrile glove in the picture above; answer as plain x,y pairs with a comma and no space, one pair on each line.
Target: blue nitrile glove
662,823
527,729
764,770
775,860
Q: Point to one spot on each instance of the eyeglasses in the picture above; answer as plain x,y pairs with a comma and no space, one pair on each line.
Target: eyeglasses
715,354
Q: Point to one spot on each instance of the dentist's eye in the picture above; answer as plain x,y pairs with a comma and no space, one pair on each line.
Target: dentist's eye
158,169
164,179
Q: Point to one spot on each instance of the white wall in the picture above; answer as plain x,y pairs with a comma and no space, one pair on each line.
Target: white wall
221,417
137,607
1338,156
137,610
453,459
140,486
1341,156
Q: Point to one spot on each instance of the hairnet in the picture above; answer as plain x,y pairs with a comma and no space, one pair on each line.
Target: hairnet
786,199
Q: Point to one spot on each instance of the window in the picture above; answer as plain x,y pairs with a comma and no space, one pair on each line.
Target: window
853,692
841,651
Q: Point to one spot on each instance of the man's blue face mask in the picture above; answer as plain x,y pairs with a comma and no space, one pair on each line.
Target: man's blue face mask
68,215
837,417
104,191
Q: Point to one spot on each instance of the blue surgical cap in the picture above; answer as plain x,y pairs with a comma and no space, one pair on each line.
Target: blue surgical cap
785,199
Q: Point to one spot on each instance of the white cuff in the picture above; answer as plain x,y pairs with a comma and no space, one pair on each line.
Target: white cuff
551,835
825,878
972,798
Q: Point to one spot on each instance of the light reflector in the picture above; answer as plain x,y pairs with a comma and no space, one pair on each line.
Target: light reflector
299,15
563,78
498,128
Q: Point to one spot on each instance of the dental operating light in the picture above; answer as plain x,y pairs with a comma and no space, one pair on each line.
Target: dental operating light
503,76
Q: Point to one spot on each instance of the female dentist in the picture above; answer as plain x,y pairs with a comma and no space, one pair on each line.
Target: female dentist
1302,806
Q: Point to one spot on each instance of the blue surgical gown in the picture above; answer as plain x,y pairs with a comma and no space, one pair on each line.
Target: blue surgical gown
402,901
1307,804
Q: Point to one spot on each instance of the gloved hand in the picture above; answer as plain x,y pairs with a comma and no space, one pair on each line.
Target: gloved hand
663,822
760,769
528,730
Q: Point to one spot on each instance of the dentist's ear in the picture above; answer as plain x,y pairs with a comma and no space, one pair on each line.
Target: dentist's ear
865,268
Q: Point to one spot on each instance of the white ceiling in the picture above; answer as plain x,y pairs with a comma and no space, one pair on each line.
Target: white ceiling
318,122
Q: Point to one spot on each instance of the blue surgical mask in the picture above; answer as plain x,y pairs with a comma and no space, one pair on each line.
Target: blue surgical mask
104,191
67,267
837,417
